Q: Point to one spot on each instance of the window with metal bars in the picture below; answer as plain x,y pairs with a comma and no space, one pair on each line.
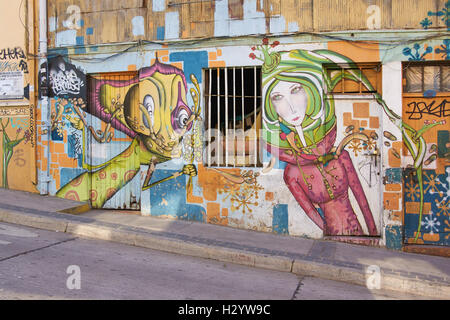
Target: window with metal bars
372,72
232,116
420,77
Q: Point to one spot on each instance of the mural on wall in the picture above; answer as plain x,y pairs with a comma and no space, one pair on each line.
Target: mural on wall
419,53
320,151
301,130
426,184
18,132
426,192
153,113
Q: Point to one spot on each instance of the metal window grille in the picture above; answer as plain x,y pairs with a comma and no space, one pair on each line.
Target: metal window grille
233,116
372,71
426,76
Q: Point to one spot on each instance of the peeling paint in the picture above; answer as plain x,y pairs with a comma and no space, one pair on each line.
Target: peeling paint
138,26
66,38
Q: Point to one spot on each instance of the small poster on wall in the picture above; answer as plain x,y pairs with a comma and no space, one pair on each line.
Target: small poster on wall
11,85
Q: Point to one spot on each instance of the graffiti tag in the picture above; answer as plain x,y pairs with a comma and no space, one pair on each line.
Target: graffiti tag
13,112
65,79
65,82
19,160
418,109
9,54
31,127
12,54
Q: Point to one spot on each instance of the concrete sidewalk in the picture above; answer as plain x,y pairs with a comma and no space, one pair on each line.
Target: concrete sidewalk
400,271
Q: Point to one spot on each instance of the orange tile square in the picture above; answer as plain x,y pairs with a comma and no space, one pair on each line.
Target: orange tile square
59,147
54,157
212,56
414,207
393,187
395,162
66,162
397,216
212,212
431,237
361,110
269,196
217,64
178,65
391,201
162,53
374,122
347,118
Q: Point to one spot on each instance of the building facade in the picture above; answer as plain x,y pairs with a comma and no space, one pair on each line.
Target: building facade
313,118
18,96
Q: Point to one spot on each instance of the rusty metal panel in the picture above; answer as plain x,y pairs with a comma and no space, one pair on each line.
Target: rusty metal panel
269,7
106,5
407,14
338,15
236,9
108,27
155,20
200,20
440,7
129,27
112,21
298,12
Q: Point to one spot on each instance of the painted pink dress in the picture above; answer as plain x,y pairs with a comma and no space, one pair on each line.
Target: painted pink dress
313,183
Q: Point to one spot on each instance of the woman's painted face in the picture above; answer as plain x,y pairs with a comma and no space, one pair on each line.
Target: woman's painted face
290,101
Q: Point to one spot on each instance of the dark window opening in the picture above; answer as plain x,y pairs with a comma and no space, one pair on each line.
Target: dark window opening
233,116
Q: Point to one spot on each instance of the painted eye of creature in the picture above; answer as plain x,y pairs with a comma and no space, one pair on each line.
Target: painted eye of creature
296,89
277,97
149,104
182,118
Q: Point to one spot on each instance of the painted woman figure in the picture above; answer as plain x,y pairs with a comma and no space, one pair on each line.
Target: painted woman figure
300,129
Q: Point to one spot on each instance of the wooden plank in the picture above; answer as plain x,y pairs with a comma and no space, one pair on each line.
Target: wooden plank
185,21
407,14
428,249
155,20
130,14
236,9
108,32
197,18
131,4
440,21
298,13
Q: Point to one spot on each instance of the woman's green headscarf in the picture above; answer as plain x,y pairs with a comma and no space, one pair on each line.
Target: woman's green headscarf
307,68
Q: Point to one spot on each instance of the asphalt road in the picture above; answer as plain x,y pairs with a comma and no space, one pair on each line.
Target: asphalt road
39,264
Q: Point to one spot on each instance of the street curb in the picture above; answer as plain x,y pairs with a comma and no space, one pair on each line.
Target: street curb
330,270
388,281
